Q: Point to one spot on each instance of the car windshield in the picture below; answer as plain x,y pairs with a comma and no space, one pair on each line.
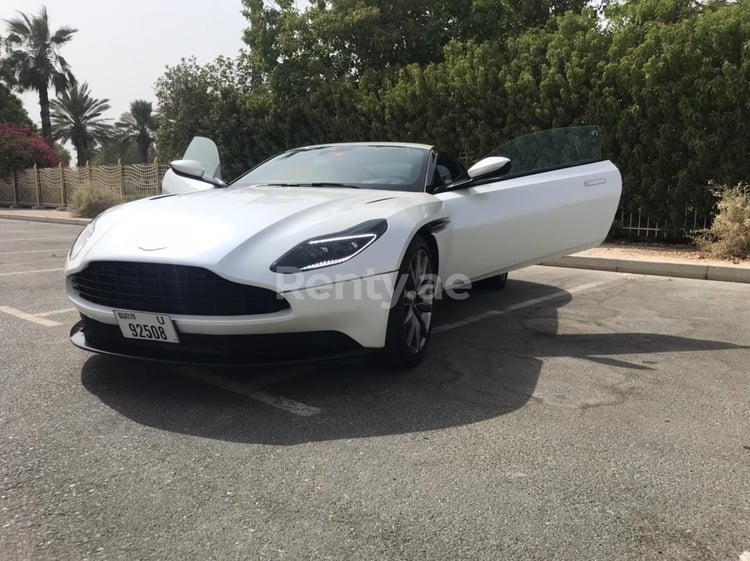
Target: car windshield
395,168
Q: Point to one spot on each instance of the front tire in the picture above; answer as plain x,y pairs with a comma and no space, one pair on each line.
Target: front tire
410,320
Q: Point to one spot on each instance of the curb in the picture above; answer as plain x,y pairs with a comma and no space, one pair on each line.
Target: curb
656,268
48,219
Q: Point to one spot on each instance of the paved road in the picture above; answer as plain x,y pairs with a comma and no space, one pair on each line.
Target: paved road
576,415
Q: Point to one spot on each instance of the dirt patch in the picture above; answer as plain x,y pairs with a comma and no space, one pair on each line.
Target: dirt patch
660,253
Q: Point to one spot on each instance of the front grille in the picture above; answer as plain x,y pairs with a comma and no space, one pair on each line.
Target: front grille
171,289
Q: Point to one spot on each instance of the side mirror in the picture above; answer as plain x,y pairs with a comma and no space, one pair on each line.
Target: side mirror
193,169
188,168
494,165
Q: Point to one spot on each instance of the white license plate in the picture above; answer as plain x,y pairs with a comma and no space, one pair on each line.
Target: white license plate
146,327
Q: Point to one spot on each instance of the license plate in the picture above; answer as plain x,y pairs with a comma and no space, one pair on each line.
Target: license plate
146,327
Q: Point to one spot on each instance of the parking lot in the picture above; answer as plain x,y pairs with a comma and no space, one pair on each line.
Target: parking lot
576,415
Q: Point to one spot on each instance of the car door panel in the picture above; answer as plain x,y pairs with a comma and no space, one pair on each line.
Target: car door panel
511,223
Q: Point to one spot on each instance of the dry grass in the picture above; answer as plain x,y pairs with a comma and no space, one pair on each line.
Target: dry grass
729,236
90,199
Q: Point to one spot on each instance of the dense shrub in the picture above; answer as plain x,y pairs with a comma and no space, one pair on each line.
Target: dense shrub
729,236
11,108
20,149
90,199
667,80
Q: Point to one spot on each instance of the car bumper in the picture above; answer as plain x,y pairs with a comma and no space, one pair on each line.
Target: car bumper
217,350
321,322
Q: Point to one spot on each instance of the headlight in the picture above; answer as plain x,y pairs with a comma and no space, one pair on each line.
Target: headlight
81,240
332,249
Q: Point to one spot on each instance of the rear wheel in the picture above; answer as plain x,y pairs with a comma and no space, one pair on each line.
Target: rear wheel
410,320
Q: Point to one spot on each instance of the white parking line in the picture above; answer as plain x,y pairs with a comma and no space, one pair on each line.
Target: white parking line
65,249
280,402
30,272
29,317
55,312
520,306
252,391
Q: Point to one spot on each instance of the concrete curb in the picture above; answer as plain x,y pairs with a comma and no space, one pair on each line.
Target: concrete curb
11,215
657,268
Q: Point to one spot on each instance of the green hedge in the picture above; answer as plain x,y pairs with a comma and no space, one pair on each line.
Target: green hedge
667,80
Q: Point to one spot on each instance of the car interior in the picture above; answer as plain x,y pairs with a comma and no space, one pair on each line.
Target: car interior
447,170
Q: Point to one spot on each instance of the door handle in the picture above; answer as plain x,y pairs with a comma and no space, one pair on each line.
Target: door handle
595,182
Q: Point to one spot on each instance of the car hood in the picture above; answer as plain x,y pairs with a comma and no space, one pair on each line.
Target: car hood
209,227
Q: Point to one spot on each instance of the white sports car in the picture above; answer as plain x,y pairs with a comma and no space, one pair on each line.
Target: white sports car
328,250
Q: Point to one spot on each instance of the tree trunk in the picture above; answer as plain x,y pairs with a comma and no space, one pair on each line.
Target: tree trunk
143,143
79,156
44,113
83,153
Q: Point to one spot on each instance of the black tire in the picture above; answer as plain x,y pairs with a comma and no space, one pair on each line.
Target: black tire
410,319
494,283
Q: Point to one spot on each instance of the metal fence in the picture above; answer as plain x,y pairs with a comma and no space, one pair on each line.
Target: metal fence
638,225
54,187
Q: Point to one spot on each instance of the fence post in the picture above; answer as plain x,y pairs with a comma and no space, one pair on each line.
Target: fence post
63,198
38,186
15,188
158,177
88,171
120,171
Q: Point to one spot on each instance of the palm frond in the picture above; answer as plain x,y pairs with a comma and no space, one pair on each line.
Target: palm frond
77,116
33,53
18,28
138,126
63,35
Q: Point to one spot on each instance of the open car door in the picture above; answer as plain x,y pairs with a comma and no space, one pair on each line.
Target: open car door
201,155
556,196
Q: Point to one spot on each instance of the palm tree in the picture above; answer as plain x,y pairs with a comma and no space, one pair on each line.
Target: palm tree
138,126
35,61
77,117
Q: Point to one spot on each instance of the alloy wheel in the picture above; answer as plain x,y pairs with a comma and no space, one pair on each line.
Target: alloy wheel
418,298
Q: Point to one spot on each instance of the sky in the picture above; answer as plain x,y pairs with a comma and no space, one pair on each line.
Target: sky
122,47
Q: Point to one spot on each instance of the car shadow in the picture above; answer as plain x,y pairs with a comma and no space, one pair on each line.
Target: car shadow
474,371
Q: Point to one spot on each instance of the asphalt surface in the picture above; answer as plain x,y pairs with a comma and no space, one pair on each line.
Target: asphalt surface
576,415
